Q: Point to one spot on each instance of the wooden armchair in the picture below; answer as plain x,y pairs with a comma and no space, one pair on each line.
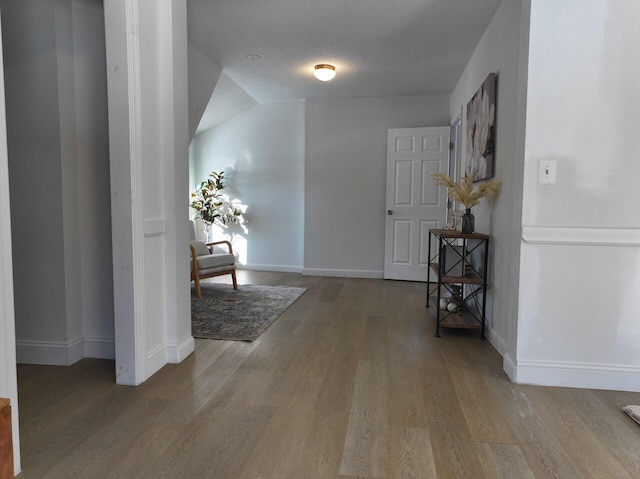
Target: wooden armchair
207,263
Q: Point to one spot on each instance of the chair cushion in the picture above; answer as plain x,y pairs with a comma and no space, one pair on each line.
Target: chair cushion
215,260
200,247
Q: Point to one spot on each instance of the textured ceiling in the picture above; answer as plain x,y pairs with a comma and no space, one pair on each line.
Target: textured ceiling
379,47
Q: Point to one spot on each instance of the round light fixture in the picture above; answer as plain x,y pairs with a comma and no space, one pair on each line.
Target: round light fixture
324,72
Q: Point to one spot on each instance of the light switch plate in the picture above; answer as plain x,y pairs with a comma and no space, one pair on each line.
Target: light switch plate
547,172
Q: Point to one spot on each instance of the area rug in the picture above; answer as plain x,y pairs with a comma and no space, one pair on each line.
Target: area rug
633,412
239,315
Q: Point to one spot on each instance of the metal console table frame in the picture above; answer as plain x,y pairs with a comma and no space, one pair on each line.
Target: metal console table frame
460,268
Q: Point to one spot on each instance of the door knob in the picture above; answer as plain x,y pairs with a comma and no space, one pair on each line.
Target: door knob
389,212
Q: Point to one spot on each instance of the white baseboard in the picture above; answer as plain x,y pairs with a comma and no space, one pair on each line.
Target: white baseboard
496,341
509,367
99,348
176,353
52,353
344,273
573,375
58,353
339,273
156,359
271,267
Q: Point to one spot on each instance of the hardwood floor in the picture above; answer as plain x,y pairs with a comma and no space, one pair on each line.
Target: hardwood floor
349,382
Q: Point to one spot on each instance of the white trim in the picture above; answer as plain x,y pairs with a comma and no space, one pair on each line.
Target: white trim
496,341
154,228
137,208
156,359
176,353
581,236
344,273
271,267
574,375
99,348
509,367
52,353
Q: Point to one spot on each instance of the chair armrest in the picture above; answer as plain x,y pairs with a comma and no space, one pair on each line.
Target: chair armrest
222,242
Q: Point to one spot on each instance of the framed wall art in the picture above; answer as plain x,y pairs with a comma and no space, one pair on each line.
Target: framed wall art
481,131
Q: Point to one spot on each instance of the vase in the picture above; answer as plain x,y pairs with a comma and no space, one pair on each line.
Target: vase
468,222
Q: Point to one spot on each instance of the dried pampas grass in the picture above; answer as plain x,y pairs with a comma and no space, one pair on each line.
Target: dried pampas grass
463,191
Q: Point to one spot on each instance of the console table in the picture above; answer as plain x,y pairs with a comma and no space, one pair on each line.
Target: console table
459,267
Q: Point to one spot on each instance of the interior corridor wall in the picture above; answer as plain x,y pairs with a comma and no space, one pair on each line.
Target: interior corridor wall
580,276
57,131
345,178
92,151
32,105
500,51
261,151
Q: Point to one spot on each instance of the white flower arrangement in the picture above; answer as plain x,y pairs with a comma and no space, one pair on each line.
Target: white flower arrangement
213,206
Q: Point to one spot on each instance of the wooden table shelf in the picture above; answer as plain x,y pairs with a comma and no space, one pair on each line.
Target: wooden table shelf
460,319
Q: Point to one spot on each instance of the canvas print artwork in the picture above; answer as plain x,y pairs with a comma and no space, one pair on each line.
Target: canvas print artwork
481,130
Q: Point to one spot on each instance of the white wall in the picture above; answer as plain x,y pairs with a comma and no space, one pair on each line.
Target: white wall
8,376
57,176
583,101
580,276
500,51
261,151
345,177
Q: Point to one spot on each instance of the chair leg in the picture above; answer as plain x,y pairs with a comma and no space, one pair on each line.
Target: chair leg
198,292
235,281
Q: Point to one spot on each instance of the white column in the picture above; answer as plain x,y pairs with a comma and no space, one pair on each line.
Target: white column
174,68
148,146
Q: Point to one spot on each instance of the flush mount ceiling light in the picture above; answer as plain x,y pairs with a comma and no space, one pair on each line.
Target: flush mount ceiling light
324,72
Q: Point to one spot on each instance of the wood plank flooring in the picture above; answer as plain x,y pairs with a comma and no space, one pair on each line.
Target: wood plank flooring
349,382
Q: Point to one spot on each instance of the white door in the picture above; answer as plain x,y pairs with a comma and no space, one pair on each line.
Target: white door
414,203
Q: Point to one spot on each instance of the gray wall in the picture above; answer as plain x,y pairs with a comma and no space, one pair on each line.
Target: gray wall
313,177
59,182
92,153
203,77
499,51
345,177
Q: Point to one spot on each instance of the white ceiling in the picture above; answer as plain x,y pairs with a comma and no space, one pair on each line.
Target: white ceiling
379,47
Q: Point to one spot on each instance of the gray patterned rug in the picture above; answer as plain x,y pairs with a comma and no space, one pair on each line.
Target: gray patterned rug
239,315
